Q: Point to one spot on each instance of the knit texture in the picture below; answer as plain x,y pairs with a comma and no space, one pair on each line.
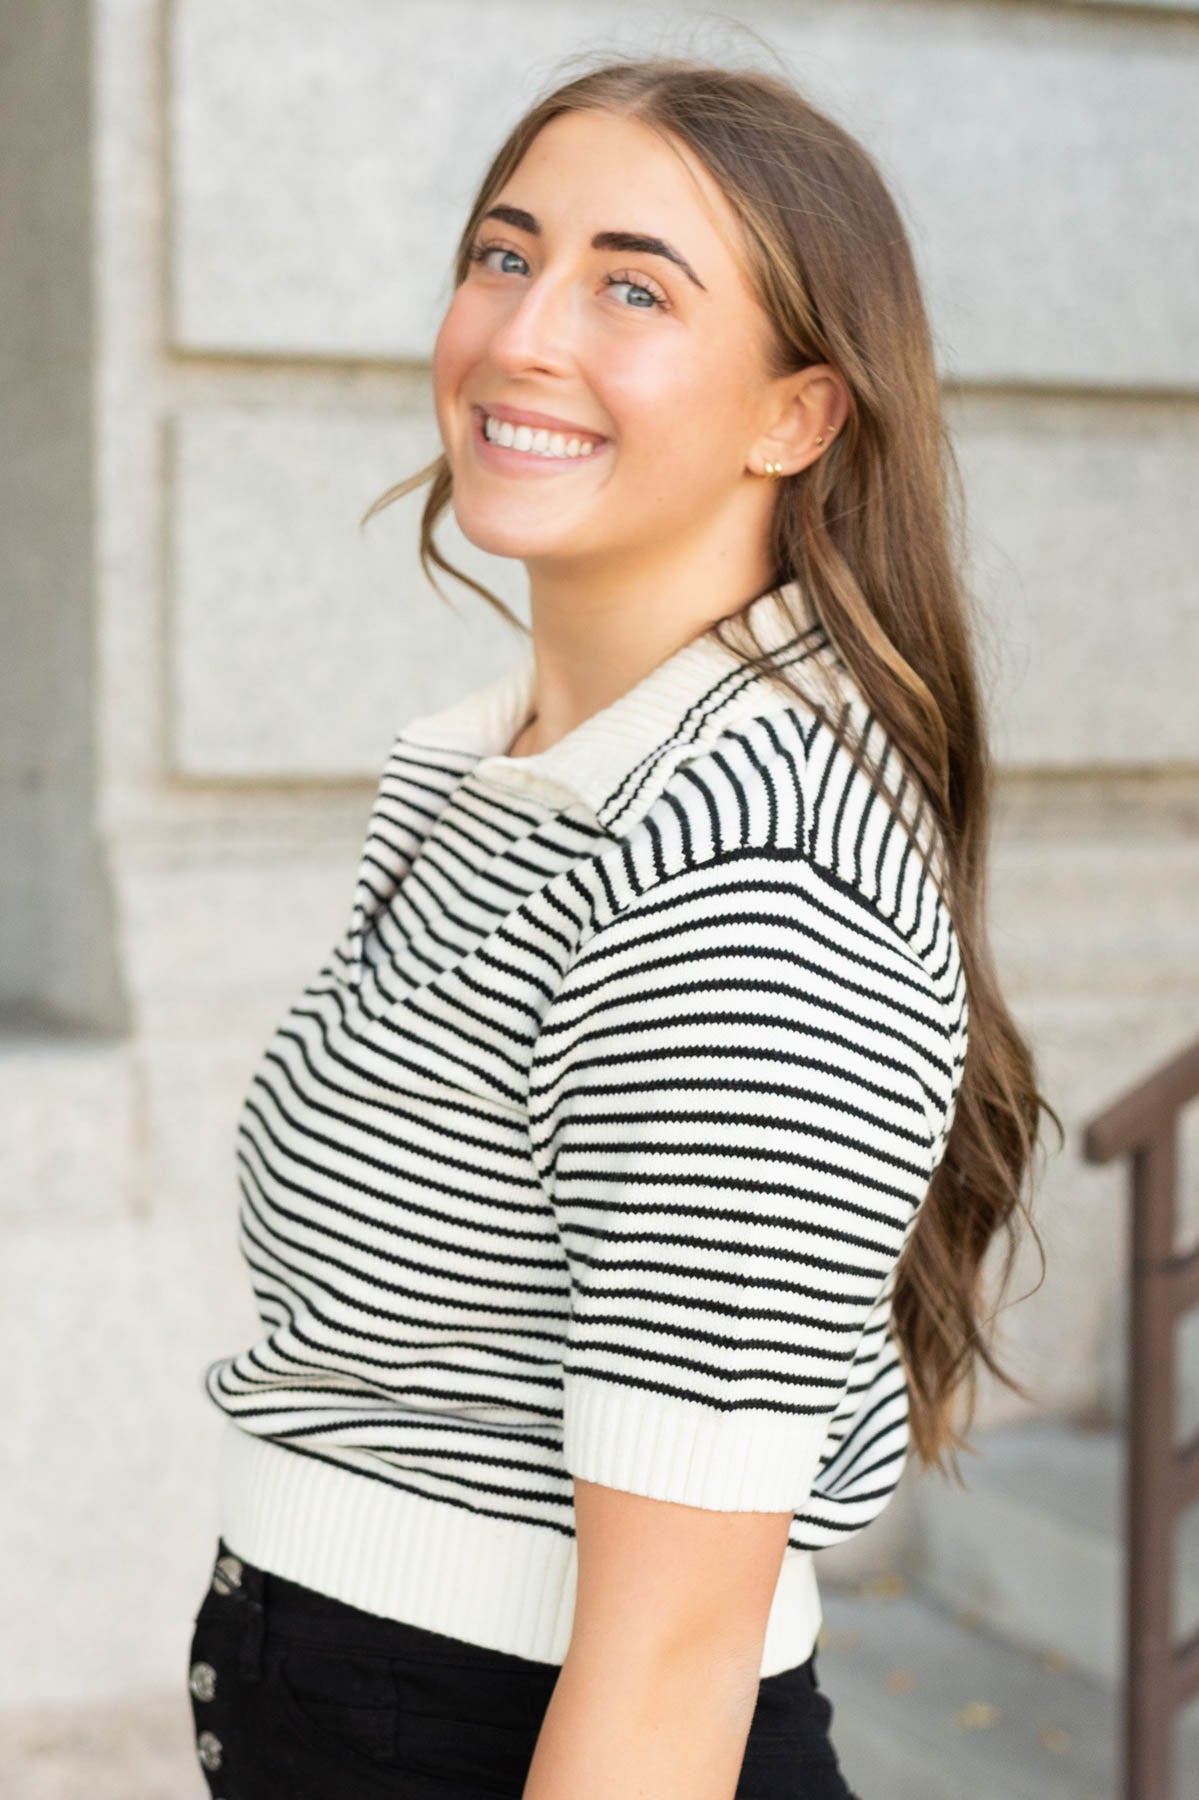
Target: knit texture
592,1148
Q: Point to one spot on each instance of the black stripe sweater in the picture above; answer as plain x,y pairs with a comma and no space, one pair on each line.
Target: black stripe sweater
592,1148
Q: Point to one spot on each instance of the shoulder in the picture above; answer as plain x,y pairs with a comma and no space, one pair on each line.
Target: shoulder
784,783
778,798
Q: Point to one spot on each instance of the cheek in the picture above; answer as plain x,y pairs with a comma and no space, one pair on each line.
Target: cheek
680,427
673,395
455,348
451,364
443,359
650,399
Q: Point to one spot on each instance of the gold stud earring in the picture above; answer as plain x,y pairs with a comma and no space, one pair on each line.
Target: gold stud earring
774,468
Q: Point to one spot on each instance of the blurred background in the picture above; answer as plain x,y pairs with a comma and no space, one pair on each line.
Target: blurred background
225,240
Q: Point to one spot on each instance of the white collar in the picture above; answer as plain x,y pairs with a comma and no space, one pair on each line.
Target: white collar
618,760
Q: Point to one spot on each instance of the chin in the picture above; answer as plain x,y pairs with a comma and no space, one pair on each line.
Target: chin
506,536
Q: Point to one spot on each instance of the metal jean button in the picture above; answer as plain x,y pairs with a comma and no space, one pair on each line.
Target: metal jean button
227,1574
208,1749
202,1680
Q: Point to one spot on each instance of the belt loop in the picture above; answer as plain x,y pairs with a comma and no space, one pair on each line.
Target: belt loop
254,1627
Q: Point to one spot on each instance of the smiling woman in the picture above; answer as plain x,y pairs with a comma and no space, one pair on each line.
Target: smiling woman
665,362
616,1194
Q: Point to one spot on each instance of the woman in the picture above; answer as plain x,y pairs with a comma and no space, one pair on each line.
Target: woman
615,1197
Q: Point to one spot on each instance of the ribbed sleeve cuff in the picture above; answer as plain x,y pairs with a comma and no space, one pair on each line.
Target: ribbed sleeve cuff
667,1449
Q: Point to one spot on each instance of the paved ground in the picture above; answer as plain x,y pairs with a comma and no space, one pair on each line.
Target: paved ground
927,1706
139,1751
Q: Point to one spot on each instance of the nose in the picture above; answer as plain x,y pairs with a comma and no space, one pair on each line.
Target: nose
538,329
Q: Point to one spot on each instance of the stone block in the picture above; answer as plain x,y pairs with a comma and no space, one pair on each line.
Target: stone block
70,1138
111,1450
217,948
1084,542
298,644
315,212
1095,919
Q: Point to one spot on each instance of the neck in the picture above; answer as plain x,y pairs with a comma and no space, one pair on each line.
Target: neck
592,645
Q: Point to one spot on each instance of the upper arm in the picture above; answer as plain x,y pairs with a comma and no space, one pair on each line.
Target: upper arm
653,1574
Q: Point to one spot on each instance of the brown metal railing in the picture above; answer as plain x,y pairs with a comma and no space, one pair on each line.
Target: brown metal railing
1160,1482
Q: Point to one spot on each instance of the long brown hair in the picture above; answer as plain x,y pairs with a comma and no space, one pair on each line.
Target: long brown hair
873,529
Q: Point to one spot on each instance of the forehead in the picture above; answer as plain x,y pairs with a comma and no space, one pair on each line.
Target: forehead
598,171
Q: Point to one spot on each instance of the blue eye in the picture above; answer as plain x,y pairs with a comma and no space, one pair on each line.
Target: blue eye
479,253
627,281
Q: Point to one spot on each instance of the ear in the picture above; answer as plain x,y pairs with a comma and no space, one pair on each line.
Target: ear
813,403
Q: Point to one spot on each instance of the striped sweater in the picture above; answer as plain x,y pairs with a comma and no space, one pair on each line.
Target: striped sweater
592,1148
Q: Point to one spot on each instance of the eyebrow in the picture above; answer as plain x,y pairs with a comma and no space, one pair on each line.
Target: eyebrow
636,241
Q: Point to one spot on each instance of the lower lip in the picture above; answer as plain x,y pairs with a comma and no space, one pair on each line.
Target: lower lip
524,462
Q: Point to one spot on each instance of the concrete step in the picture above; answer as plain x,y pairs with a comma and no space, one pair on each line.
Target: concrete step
1034,1543
927,1708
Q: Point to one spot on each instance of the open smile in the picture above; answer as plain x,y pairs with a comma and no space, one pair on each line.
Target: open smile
533,450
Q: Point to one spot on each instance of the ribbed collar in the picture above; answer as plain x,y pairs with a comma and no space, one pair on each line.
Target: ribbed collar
618,760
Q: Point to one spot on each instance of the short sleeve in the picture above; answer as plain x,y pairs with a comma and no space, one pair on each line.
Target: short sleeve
735,1097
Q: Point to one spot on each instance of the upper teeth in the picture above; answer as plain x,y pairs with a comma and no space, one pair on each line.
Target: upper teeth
538,443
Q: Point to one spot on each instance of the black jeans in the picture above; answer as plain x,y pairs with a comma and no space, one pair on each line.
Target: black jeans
300,1697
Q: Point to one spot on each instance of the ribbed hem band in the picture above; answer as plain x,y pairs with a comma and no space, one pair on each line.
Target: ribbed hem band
500,1583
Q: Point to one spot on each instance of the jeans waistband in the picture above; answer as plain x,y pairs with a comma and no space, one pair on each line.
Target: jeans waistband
290,1610
279,1608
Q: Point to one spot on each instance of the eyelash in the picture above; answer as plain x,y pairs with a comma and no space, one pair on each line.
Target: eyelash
478,251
